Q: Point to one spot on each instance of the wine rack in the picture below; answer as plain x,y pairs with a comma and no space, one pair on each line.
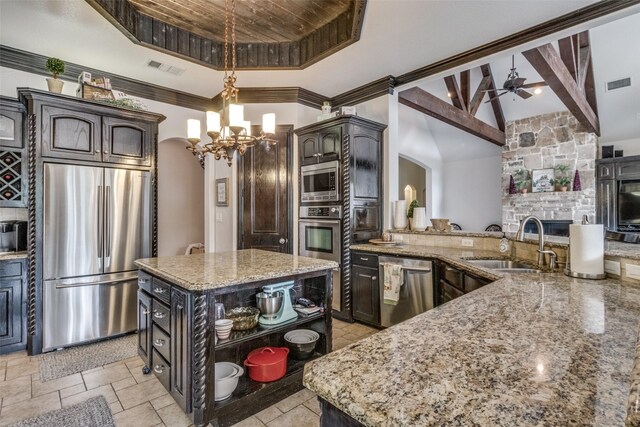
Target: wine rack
11,178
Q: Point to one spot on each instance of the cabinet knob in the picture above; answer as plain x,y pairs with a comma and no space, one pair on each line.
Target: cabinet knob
98,151
282,241
158,315
105,152
374,278
158,342
159,290
158,369
145,312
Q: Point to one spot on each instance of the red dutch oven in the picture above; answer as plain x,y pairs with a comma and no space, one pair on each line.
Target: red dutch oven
266,364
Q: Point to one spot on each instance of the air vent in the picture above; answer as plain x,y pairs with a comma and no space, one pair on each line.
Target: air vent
165,68
617,84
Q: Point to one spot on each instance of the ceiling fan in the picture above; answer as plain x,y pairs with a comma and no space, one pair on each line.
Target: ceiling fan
514,84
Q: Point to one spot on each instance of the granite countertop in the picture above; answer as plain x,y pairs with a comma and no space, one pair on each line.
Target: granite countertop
621,249
200,272
527,349
13,255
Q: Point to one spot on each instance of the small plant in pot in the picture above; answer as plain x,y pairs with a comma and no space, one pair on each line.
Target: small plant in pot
562,177
56,67
522,180
412,206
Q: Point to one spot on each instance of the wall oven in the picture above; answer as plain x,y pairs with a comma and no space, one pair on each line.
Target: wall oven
320,230
320,182
629,205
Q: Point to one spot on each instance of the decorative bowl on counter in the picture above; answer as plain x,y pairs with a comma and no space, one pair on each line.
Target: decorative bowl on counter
266,364
226,375
244,318
302,343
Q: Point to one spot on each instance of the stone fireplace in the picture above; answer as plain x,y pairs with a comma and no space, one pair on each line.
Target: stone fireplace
543,142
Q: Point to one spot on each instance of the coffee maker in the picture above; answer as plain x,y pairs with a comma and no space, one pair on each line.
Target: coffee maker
13,236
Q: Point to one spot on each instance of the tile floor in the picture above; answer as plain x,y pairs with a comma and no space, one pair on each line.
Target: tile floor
136,399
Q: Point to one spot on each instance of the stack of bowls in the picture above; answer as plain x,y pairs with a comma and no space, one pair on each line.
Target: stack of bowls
223,328
226,375
302,343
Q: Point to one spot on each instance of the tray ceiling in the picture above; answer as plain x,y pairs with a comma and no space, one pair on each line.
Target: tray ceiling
270,34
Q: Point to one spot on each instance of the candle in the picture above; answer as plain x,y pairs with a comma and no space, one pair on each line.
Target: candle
193,129
269,123
213,121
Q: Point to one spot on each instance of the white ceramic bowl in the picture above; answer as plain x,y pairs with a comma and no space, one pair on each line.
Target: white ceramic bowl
223,328
226,375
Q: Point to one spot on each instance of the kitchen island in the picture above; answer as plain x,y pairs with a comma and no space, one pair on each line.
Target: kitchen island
527,349
176,336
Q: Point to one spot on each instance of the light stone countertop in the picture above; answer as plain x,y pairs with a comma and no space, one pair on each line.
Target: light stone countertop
527,349
13,255
208,271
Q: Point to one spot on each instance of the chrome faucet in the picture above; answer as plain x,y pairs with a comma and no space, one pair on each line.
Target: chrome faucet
541,252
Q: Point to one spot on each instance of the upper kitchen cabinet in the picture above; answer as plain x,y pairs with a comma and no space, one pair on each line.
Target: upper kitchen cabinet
84,130
321,146
13,189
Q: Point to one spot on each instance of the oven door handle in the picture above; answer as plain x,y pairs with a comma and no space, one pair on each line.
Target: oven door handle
308,221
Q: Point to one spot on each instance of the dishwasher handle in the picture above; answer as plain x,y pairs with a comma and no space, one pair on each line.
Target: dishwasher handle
417,269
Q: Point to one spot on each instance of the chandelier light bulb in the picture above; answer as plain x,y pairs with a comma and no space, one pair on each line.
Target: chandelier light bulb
269,123
236,114
193,129
213,121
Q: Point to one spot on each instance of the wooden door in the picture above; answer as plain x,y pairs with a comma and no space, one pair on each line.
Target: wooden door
308,148
10,312
70,134
330,143
126,142
265,198
366,294
144,326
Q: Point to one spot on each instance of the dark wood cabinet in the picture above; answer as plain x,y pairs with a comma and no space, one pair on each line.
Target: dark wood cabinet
606,204
365,287
180,348
357,144
321,146
70,134
125,141
13,158
453,282
144,326
13,300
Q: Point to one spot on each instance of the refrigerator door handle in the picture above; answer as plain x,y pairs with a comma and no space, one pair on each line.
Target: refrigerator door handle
100,219
107,213
103,282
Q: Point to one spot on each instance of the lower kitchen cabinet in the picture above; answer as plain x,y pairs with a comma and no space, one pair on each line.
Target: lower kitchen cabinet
365,288
164,329
453,283
13,305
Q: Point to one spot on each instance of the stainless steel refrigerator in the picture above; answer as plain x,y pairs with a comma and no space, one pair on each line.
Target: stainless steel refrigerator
96,223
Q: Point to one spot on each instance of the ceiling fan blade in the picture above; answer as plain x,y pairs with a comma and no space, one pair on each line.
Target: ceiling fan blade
492,90
495,97
519,81
523,94
537,84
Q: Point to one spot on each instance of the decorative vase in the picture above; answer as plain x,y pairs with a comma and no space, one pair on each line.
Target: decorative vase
512,185
400,215
563,188
524,190
577,184
55,85
419,220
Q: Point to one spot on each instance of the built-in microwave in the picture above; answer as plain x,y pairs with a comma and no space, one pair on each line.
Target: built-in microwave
320,182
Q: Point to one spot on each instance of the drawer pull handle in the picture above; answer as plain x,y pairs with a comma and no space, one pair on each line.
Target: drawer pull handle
158,369
142,281
159,290
158,315
145,312
179,306
158,342
364,259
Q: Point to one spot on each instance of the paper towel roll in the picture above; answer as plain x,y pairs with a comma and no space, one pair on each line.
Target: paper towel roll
586,246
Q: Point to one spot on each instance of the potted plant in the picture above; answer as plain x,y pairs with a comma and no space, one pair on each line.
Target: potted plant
522,180
562,178
55,67
412,206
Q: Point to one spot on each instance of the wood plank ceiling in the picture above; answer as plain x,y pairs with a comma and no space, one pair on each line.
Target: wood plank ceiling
270,34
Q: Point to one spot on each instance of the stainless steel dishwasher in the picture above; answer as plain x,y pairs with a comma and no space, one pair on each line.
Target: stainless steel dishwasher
416,292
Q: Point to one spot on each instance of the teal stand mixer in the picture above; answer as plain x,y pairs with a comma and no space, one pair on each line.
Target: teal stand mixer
275,304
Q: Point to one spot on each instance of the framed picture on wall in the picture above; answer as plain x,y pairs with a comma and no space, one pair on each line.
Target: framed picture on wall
542,180
222,191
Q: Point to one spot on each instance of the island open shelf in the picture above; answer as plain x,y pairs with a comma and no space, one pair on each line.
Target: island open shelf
177,296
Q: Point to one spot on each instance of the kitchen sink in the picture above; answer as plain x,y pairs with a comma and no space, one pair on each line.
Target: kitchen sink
507,266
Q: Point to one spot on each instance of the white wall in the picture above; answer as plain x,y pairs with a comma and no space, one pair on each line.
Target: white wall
473,193
180,198
631,147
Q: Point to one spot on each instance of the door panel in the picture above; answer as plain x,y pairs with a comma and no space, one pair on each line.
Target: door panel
10,311
144,326
127,223
265,194
72,221
70,134
126,142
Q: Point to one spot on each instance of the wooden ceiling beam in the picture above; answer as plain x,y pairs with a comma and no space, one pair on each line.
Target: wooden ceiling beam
465,86
495,101
479,95
548,63
435,107
454,92
567,49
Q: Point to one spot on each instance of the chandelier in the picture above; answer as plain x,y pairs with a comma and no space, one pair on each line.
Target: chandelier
229,132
